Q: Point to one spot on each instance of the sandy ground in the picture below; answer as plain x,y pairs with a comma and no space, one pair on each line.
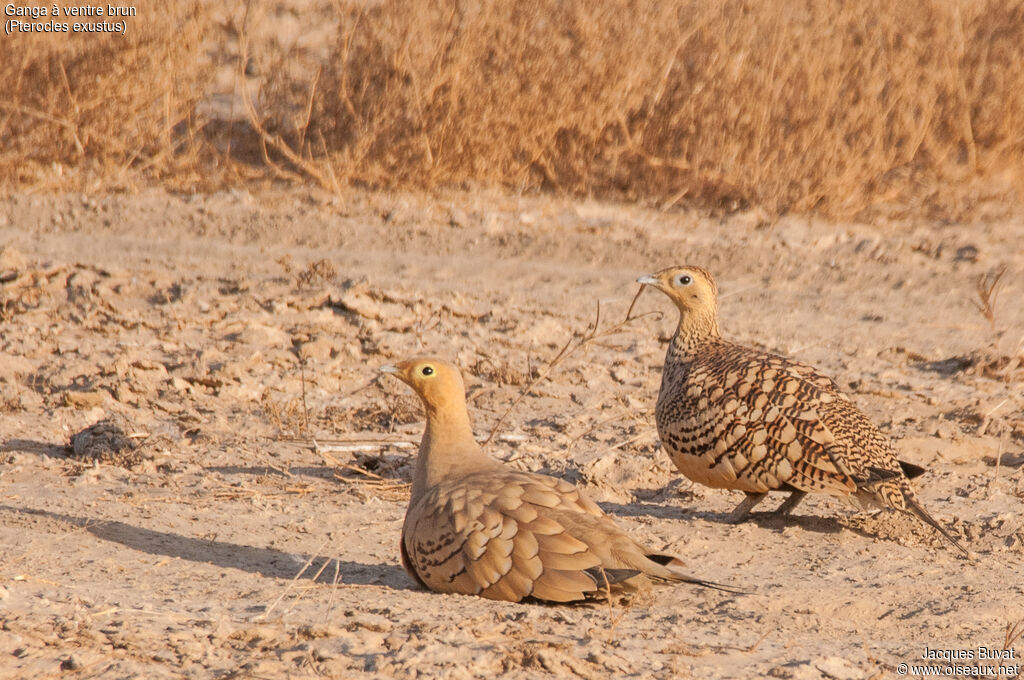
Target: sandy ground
240,335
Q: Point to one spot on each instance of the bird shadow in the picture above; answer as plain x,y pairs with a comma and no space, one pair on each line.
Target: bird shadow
30,446
764,520
640,510
769,520
255,560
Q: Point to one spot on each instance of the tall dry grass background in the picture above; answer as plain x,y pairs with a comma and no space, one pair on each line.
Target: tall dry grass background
836,107
89,108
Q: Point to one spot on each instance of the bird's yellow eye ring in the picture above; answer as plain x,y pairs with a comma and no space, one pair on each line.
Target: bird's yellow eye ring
427,370
684,280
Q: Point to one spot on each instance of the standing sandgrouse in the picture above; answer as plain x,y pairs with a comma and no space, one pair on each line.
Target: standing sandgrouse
732,417
476,527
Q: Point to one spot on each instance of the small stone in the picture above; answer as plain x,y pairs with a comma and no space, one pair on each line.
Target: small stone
320,349
358,301
968,253
71,664
623,375
260,335
838,668
124,395
81,286
182,385
12,261
457,217
78,399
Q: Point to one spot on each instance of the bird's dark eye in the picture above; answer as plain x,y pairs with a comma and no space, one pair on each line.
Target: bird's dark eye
685,280
427,370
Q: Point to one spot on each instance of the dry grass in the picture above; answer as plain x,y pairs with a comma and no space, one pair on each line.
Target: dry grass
321,271
834,107
841,108
98,104
987,288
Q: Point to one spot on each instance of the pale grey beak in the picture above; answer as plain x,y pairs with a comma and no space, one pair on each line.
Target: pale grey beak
648,280
388,368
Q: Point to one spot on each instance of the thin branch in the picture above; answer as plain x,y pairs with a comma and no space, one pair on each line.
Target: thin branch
575,343
276,141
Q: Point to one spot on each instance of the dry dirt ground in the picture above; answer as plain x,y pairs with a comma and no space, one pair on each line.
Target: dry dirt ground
253,529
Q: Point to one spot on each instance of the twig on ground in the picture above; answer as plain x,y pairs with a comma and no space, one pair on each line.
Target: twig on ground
757,643
292,583
1014,632
365,446
334,590
305,409
366,478
575,343
226,492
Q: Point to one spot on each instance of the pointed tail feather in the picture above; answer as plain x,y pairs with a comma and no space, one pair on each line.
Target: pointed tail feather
677,575
911,470
914,507
610,577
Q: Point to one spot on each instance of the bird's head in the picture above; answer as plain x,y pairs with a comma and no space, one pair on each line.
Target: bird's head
692,289
437,382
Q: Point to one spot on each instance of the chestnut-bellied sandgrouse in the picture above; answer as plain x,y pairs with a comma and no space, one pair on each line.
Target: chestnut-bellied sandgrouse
477,527
733,417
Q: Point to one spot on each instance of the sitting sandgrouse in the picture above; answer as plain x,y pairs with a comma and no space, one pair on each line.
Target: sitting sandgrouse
475,526
732,417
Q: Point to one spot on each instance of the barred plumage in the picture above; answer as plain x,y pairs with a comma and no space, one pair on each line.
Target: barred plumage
732,417
476,527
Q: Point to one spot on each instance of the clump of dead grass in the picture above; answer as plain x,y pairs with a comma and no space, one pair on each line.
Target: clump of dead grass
320,271
287,415
815,106
987,288
98,104
114,441
992,361
841,109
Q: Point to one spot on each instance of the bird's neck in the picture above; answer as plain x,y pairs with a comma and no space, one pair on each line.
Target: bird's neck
448,449
695,330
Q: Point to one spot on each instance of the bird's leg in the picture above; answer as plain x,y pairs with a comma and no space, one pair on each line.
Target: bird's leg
790,503
742,510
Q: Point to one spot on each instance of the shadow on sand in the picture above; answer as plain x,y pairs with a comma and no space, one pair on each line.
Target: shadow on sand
29,446
262,561
765,520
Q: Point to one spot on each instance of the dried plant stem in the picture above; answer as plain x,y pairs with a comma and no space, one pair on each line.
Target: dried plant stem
1014,632
411,96
293,582
576,342
276,141
305,408
987,287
